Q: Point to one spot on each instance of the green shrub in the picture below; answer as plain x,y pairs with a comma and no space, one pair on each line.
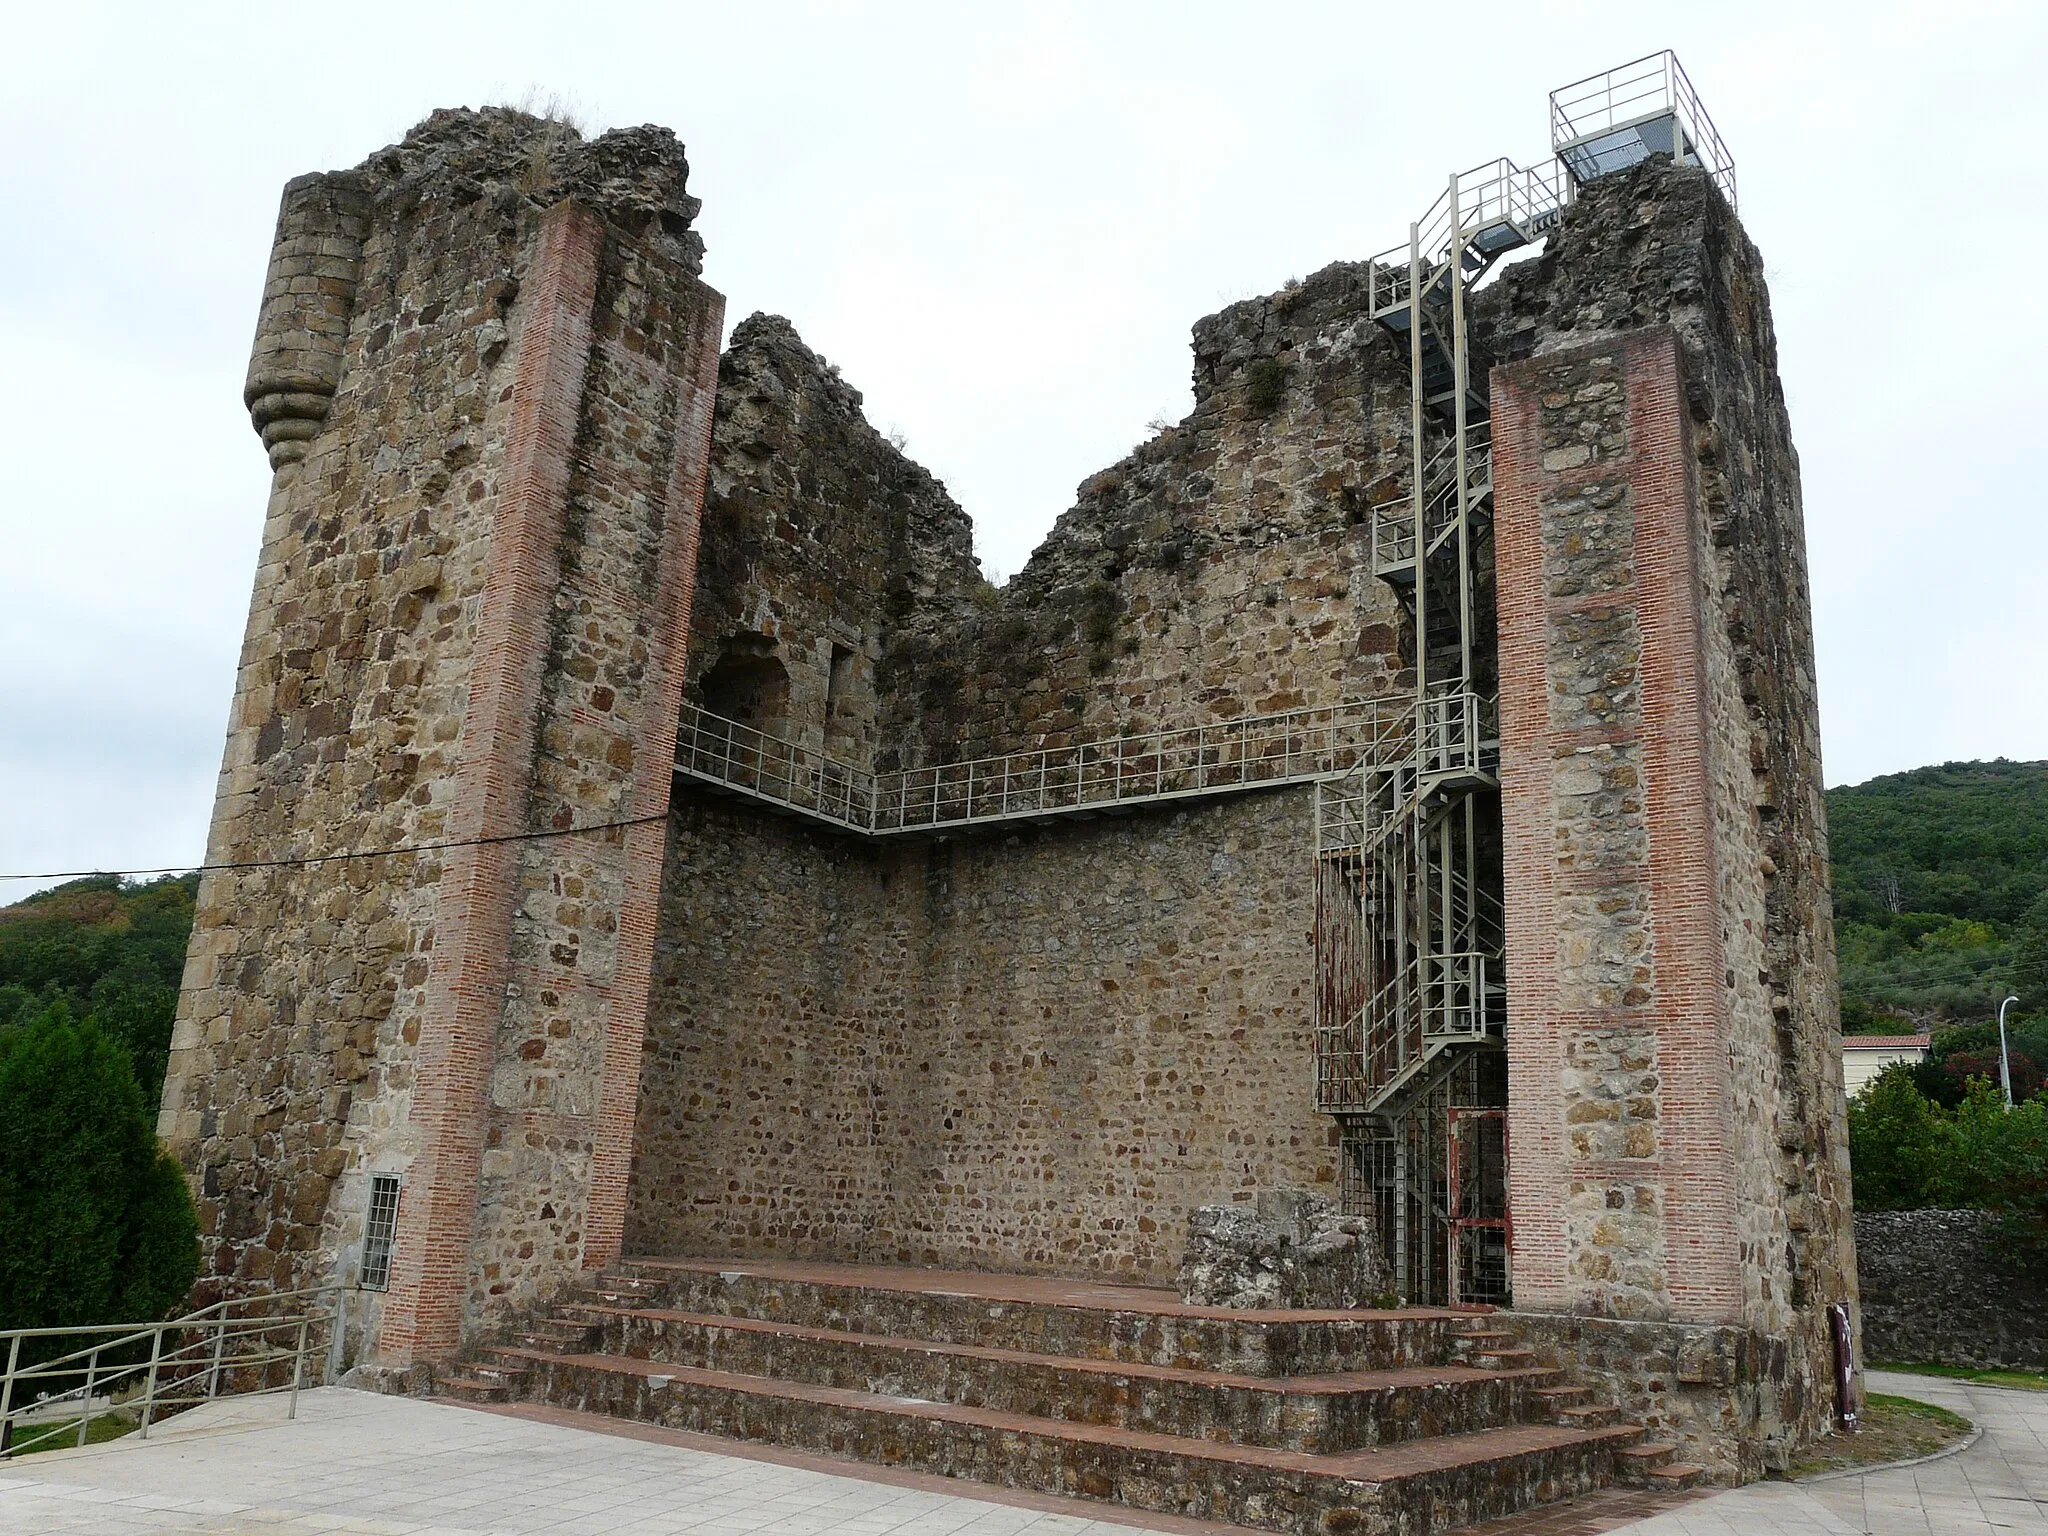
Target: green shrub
1907,1151
98,1223
1899,1141
1971,1050
1265,384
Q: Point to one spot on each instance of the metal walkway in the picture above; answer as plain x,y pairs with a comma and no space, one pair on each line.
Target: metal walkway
1296,746
1410,992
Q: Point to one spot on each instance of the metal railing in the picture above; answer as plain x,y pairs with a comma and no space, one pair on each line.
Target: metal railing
155,1369
1433,1002
1456,736
1249,752
1393,522
739,757
1592,121
1457,732
1501,206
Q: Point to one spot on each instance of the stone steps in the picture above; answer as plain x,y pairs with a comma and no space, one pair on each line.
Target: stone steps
1392,1423
1405,1489
490,1380
1103,1322
1343,1411
1654,1464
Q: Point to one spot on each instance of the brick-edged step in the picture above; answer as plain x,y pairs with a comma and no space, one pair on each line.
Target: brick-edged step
1343,1411
494,1379
1106,1322
1407,1489
566,1328
1652,1464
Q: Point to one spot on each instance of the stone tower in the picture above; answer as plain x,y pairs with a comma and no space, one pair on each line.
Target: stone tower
736,1002
484,371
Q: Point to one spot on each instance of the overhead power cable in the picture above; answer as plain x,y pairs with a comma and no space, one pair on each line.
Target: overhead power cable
358,853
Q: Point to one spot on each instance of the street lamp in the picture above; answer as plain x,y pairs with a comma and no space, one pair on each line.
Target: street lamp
2004,1061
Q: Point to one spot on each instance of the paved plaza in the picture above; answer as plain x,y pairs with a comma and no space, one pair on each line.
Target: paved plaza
354,1462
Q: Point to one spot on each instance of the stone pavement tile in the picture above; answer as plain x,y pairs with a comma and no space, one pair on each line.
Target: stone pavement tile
391,1467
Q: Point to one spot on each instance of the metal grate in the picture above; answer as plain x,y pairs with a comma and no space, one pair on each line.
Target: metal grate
379,1230
1481,1224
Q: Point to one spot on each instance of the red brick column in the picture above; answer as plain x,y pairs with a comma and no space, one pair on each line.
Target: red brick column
466,982
1623,1186
653,780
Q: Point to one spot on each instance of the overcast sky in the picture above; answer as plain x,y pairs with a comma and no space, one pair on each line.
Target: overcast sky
1001,222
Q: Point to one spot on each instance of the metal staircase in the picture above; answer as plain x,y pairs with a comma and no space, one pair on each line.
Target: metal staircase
1419,841
1411,1007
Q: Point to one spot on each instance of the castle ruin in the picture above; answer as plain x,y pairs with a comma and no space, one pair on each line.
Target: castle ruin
1399,781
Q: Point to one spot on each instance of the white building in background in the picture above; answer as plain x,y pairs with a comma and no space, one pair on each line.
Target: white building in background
1864,1056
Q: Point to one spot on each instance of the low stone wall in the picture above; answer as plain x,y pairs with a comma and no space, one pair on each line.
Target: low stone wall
1937,1287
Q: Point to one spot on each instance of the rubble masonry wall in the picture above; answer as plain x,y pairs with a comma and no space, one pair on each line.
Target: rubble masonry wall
482,371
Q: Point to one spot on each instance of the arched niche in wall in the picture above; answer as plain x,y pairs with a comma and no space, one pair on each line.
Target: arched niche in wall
749,684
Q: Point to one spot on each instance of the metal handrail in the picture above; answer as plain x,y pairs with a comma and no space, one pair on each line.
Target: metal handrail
1393,522
220,1348
1432,1001
1496,193
1247,752
1638,92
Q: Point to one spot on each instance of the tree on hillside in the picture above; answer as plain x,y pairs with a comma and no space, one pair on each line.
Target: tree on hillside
107,950
1941,886
98,1224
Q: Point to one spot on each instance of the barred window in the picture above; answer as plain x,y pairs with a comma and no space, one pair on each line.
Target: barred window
379,1230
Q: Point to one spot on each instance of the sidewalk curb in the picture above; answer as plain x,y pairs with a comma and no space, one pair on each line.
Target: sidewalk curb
1976,1433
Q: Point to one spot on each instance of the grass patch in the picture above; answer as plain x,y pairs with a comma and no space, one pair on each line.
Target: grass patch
2029,1381
30,1439
1894,1429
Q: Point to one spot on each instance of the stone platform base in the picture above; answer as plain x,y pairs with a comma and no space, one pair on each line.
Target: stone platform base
1737,1403
1296,1421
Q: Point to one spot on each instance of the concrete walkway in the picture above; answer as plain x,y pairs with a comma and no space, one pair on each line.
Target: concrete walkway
2000,1484
358,1463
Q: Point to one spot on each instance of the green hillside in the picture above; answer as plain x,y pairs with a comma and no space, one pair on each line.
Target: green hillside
1941,892
105,950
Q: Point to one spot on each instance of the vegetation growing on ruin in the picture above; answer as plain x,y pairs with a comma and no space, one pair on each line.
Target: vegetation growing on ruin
1265,384
1941,893
111,953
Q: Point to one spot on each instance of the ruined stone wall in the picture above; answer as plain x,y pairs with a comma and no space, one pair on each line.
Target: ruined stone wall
1218,570
1679,1140
821,542
482,372
1036,1051
1034,1048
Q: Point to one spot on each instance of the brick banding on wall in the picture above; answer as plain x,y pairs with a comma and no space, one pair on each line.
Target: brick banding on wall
468,624
1623,1190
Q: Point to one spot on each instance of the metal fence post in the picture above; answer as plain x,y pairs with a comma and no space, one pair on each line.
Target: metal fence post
298,1369
220,1334
7,1396
337,1339
156,1351
92,1376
